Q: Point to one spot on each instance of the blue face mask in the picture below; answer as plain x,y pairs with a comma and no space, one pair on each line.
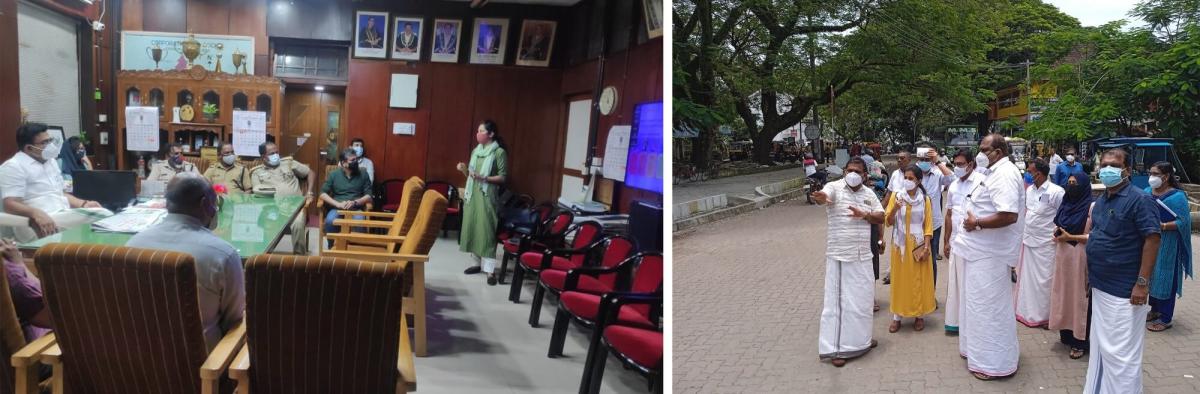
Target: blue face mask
1028,178
924,165
1110,176
273,159
357,151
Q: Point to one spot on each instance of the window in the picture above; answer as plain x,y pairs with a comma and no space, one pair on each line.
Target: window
47,53
310,61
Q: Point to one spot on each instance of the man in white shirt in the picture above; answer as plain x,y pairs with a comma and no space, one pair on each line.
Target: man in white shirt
1055,160
192,212
965,180
937,176
1035,271
32,185
989,245
846,318
903,159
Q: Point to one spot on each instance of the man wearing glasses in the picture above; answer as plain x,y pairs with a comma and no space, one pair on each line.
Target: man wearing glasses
32,184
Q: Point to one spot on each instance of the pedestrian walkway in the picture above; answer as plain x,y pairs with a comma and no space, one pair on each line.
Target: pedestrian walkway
742,185
747,303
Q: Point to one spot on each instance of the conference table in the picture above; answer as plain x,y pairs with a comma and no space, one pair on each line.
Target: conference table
252,224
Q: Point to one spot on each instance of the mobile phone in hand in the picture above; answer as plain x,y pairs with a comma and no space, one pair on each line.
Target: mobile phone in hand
1058,232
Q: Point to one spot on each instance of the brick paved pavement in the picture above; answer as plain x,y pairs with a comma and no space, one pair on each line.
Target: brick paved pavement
746,309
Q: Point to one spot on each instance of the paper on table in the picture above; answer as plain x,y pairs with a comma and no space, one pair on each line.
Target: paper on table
616,151
132,220
249,131
247,213
247,232
141,129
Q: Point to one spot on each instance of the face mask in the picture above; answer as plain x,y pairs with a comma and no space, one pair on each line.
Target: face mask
982,161
1075,192
924,165
176,160
1110,176
960,172
908,185
228,159
853,179
273,160
1028,178
1155,181
357,150
1071,158
81,153
50,152
353,167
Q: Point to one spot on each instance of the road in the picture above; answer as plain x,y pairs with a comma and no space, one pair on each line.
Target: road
747,300
735,185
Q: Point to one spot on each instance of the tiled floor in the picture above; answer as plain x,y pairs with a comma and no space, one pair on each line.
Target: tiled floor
479,342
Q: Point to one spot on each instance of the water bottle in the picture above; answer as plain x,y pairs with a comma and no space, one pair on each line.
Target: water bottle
142,167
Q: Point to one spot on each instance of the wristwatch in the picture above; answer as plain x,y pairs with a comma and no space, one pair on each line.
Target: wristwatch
1142,281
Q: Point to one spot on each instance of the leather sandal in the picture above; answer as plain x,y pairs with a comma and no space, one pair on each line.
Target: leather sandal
983,376
1076,353
919,324
1158,326
838,362
895,326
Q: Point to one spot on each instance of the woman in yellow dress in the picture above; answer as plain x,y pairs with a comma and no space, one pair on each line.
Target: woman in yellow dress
910,214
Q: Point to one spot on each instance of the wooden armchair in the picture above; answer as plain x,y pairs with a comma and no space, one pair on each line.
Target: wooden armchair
328,339
200,162
128,320
397,223
411,256
329,169
24,359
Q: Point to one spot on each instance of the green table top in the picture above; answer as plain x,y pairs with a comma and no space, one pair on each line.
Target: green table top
253,225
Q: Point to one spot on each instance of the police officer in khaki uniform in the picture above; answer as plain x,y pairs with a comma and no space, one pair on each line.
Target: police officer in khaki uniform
229,172
283,175
164,170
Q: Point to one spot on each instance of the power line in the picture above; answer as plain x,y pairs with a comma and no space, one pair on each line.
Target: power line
911,38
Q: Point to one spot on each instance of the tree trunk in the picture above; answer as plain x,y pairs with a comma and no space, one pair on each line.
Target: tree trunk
702,149
762,146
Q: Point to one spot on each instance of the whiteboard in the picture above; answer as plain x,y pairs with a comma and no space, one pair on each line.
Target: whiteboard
249,131
578,123
404,91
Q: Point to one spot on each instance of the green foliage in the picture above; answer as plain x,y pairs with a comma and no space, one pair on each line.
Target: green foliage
210,109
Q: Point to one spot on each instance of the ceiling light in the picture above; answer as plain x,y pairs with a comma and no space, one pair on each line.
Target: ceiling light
319,88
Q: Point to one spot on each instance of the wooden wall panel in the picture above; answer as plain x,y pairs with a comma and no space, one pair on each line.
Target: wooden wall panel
208,16
131,15
248,18
10,92
367,108
165,15
406,153
533,151
450,126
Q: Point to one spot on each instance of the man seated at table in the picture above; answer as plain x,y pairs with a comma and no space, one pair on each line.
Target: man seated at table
31,184
227,171
164,170
191,214
345,189
26,291
282,176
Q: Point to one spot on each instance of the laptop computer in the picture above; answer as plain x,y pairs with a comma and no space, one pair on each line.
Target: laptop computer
114,190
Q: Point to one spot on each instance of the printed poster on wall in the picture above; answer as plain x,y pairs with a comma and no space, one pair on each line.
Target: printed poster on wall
616,151
141,129
152,50
249,131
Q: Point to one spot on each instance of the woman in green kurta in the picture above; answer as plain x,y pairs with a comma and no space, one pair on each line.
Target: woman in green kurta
487,169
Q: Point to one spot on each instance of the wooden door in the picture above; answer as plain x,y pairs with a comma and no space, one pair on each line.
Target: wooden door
306,124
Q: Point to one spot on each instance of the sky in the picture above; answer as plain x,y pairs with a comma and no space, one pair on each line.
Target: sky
1096,12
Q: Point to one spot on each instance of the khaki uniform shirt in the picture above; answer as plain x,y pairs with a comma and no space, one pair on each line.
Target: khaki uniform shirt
285,178
236,179
163,172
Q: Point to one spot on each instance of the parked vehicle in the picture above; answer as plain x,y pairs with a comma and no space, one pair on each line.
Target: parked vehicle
1143,153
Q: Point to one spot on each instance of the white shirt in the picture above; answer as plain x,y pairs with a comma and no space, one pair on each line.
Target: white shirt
915,223
1054,162
894,181
1003,190
222,286
849,238
38,185
1041,206
934,181
959,189
367,167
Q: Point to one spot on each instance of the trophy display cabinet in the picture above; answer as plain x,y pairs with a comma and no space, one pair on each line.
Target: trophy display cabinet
194,88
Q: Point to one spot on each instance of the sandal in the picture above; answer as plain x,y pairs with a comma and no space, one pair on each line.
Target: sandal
1076,353
838,362
919,324
983,376
894,327
1158,326
1152,316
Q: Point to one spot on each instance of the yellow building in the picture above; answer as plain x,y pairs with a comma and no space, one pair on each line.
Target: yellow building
1012,103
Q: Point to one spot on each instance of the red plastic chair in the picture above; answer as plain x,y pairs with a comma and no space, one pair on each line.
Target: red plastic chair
547,234
639,348
453,220
536,260
585,308
610,251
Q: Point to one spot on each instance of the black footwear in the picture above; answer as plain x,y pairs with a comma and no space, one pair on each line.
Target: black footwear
472,270
887,280
491,280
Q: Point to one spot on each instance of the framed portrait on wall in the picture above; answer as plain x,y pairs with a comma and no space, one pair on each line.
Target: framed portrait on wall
537,42
653,11
490,37
406,43
446,33
370,34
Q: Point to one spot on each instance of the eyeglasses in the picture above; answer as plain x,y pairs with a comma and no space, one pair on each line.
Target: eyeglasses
44,142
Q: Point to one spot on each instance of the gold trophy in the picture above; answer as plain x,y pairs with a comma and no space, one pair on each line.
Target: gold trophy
239,60
220,47
190,49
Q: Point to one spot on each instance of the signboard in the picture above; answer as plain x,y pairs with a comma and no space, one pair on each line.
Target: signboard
962,135
148,50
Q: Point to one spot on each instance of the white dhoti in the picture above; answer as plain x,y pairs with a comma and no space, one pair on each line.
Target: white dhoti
1035,274
988,336
846,319
1115,364
954,293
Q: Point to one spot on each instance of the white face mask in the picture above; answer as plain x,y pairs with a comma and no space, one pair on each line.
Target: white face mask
1155,181
50,152
853,179
982,161
960,171
908,185
228,159
273,159
1071,158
